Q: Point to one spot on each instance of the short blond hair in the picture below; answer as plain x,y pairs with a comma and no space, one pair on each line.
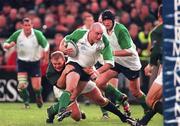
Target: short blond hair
56,55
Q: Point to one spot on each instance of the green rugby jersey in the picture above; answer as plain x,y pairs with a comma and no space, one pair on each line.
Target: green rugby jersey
157,48
52,75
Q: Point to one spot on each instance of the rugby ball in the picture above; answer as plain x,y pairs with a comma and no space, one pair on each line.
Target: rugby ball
74,47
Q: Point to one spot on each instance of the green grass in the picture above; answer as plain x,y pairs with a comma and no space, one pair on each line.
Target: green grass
13,114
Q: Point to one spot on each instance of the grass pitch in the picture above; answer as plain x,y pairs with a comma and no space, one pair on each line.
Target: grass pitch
13,114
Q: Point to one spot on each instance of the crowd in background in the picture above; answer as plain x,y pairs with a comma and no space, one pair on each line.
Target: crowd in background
57,18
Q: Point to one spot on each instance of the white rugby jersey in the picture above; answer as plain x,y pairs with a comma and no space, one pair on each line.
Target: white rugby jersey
29,48
88,54
120,39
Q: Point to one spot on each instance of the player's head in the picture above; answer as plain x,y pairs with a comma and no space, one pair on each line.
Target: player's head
58,60
95,32
108,19
27,25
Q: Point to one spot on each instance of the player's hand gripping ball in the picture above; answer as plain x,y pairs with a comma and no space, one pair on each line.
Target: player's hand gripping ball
74,47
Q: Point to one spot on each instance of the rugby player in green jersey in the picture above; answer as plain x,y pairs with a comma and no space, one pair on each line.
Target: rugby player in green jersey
154,95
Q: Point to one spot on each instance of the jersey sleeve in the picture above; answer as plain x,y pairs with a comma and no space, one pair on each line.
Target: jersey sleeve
123,36
75,36
156,50
107,52
13,37
42,40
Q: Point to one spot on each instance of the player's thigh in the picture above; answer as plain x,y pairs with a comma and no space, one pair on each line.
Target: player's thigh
154,93
105,77
72,80
80,87
134,85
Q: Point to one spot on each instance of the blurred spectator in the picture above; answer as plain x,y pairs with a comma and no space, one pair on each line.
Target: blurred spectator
4,29
104,5
6,9
127,5
145,16
18,25
54,46
83,5
88,20
41,11
95,10
12,19
154,9
133,31
29,4
125,19
49,26
37,23
118,6
22,13
31,14
134,16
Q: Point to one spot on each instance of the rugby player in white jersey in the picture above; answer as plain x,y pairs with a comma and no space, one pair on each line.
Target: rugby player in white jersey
29,44
126,58
56,74
90,44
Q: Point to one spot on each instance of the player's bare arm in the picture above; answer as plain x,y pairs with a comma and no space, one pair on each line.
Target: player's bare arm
8,45
123,52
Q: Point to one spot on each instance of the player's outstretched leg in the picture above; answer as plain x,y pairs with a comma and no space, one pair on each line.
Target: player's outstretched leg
112,108
120,97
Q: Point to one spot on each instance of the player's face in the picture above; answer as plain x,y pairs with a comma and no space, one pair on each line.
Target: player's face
27,27
58,64
108,24
97,35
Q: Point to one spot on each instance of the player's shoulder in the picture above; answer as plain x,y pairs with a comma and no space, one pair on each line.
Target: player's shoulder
80,31
119,26
17,32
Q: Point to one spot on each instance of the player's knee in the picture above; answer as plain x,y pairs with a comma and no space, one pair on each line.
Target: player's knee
76,117
21,86
101,101
100,85
149,101
22,81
